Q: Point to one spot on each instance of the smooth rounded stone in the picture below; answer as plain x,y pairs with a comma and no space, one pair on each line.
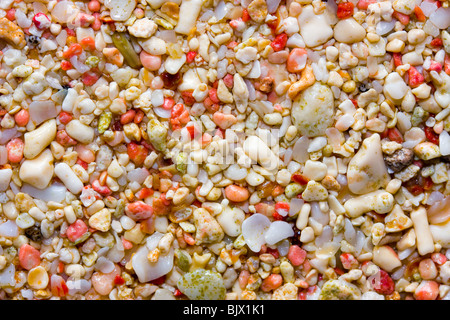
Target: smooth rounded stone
230,219
312,112
202,284
404,6
68,177
430,104
386,258
441,94
254,229
9,229
163,294
349,31
314,28
80,132
394,86
257,150
5,179
38,139
366,170
173,65
7,276
147,271
39,171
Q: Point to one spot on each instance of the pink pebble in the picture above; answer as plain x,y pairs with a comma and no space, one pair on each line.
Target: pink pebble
296,255
149,61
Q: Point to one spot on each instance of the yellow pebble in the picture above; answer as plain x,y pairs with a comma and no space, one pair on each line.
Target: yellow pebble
71,40
38,278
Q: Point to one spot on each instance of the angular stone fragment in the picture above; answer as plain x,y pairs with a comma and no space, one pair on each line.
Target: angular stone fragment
208,229
12,33
397,220
101,220
367,171
39,171
314,28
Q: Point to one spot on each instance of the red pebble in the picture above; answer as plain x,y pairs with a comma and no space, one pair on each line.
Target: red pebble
296,255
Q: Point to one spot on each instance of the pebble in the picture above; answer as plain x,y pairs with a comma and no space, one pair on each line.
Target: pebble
404,6
143,28
349,31
39,171
202,284
173,65
5,179
230,219
366,170
394,86
257,9
314,28
38,278
258,151
208,230
441,233
312,112
12,33
314,192
101,220
80,132
120,10
287,291
386,258
278,231
68,177
246,55
397,220
427,151
339,290
444,143
254,229
189,11
38,139
379,201
147,271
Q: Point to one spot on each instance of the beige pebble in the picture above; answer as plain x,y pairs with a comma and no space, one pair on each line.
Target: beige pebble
101,220
39,171
314,28
349,31
366,170
312,112
38,139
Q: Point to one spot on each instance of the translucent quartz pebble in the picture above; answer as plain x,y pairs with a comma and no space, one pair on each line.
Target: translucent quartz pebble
7,276
278,230
146,270
254,229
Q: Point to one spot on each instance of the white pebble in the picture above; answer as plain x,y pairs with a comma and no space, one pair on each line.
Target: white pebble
68,177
